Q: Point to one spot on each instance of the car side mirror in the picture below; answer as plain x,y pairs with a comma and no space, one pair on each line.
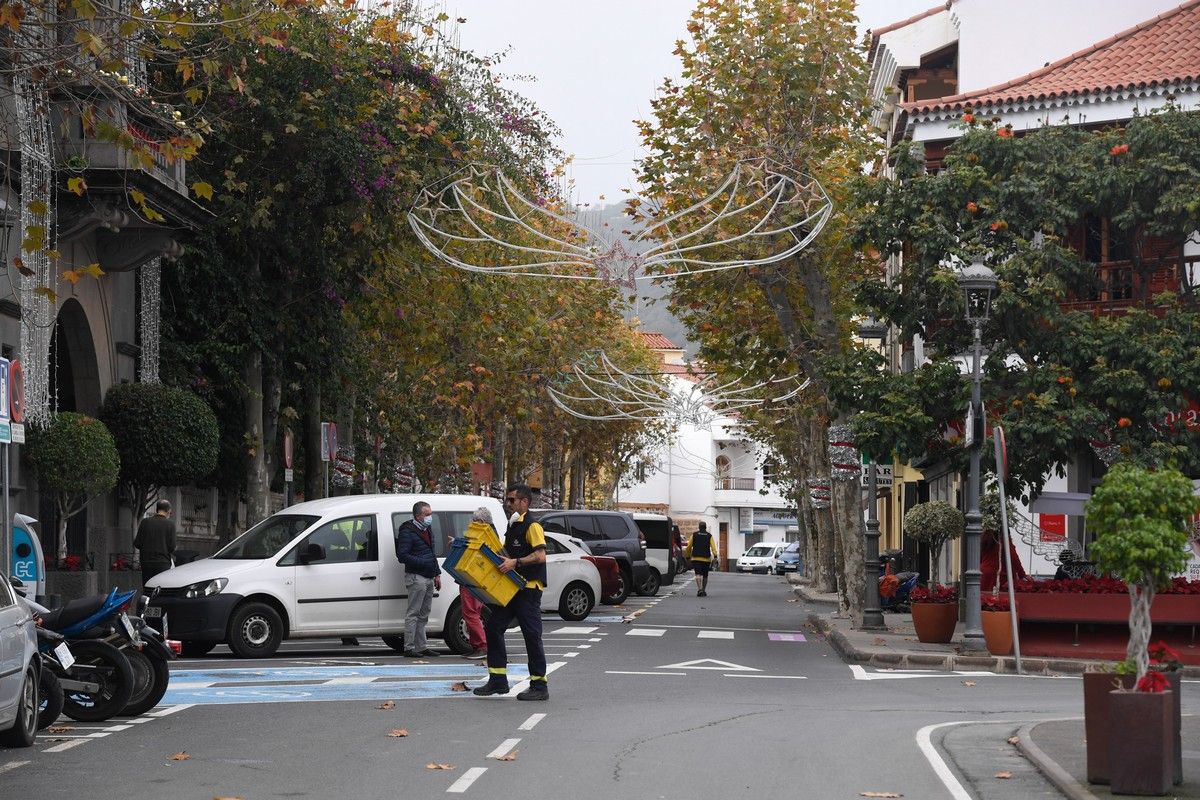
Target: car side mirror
313,552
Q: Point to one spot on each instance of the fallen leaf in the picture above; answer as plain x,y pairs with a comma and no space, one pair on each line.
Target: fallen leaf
968,683
1003,775
879,640
60,728
180,756
398,733
388,705
880,794
439,766
511,755
461,686
1014,739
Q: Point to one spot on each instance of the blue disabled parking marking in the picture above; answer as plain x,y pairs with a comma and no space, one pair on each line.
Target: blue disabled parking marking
400,682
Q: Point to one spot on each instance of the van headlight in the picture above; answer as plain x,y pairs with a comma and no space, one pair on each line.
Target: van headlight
205,588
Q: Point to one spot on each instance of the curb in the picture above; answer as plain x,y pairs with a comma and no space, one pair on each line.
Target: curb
1051,769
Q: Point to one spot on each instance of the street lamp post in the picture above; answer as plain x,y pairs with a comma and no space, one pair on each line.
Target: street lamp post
872,330
977,282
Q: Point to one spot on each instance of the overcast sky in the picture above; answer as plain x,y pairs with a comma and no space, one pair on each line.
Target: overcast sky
596,65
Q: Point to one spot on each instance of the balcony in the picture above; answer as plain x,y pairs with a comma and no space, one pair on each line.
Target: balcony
725,483
729,491
1121,288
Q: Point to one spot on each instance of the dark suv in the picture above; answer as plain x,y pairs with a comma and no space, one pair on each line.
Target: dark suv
606,533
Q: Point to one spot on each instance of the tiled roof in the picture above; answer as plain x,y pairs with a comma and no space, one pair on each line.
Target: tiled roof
1159,51
656,341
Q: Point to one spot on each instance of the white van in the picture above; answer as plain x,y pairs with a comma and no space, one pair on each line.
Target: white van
659,553
317,569
760,557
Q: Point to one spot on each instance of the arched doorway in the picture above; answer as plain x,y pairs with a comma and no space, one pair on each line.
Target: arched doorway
74,386
723,466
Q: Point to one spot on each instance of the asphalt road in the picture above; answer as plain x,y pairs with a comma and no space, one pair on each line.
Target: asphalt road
726,696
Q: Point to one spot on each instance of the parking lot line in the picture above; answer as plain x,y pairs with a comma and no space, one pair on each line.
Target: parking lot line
13,765
631,672
58,748
528,724
714,635
645,632
464,783
504,748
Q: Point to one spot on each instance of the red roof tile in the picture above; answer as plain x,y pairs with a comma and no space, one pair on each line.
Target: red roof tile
1159,51
656,341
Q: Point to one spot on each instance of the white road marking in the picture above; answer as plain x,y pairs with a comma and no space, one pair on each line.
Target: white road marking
13,765
719,665
574,629
595,639
570,655
861,674
583,647
464,783
744,675
504,748
939,765
171,710
705,627
58,748
714,635
528,724
626,672
523,685
645,632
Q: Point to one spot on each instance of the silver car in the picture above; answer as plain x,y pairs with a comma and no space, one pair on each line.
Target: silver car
18,670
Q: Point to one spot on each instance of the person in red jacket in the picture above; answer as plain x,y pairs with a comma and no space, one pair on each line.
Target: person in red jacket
991,562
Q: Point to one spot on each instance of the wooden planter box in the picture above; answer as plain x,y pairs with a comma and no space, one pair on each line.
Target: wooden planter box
1112,609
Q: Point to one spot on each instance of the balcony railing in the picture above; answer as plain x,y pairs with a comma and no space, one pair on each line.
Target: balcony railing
736,484
1121,288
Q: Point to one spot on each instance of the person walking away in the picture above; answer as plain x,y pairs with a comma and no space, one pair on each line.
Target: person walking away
155,541
481,529
422,577
525,551
702,552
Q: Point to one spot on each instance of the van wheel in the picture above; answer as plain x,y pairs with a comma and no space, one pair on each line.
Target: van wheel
650,586
454,633
255,631
576,602
395,642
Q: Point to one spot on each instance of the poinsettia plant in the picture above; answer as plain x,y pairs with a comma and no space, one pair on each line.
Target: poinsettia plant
994,602
1163,658
941,595
1153,681
1097,585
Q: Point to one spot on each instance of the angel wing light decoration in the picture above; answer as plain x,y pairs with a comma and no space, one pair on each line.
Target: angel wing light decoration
479,220
598,389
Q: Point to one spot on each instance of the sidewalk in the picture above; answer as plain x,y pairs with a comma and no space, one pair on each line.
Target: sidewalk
1055,747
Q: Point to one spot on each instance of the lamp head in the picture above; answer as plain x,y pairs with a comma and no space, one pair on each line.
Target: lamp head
872,330
978,283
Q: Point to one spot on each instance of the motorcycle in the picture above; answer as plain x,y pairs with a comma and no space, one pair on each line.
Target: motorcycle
895,588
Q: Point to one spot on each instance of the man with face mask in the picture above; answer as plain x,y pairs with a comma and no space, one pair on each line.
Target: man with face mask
422,577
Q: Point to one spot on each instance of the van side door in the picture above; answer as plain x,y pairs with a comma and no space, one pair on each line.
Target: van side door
338,593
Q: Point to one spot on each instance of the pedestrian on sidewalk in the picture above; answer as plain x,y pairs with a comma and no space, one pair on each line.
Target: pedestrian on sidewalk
481,529
155,541
525,551
702,551
422,577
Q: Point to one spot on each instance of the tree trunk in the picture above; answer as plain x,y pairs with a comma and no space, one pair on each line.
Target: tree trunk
272,399
257,489
827,559
500,454
847,508
314,468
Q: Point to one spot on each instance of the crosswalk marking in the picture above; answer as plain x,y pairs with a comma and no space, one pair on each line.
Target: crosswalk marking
464,783
646,632
574,629
714,635
504,748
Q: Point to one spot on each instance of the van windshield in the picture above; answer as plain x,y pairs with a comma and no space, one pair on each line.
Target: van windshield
267,537
761,550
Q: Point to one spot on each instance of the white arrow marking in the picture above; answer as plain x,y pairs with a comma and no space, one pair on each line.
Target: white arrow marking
717,665
861,674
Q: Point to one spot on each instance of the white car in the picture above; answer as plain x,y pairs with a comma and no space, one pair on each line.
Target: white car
760,557
18,670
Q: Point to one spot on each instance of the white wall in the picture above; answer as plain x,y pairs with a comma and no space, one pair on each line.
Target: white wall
999,41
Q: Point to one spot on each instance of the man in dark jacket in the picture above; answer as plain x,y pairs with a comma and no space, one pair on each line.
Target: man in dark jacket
422,577
155,541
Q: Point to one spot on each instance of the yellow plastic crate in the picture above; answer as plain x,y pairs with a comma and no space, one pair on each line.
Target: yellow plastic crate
474,565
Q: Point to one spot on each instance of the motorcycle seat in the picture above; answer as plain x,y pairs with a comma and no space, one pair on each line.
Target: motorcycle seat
74,611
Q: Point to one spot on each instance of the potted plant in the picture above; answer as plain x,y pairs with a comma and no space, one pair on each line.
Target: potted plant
934,523
1165,660
1142,519
997,623
934,613
1098,684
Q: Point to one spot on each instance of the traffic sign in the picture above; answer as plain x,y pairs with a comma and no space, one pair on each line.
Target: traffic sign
328,441
16,391
288,448
4,404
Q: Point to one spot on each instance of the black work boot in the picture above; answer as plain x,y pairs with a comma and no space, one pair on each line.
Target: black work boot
492,687
538,690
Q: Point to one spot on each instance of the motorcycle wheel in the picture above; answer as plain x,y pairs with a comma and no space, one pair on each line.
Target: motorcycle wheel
151,678
99,662
50,694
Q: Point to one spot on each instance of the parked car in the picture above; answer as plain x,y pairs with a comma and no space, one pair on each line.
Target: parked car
760,557
317,569
789,559
19,675
574,579
660,553
607,533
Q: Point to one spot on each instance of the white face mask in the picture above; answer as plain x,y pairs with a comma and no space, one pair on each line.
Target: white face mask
428,521
516,517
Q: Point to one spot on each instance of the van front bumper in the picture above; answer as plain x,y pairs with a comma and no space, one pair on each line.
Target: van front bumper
194,619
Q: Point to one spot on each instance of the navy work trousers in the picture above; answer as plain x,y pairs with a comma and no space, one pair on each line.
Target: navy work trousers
526,608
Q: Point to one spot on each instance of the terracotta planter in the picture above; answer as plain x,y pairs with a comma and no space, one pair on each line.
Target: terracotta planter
1097,686
1175,679
935,621
997,632
1141,742
1167,609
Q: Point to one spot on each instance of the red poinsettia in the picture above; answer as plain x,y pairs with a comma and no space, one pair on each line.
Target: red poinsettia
943,595
1163,658
1153,681
994,602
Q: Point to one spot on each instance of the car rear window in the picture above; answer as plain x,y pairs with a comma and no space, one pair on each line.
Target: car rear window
613,526
656,531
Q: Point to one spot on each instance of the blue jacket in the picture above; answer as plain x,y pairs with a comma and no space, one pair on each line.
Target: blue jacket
414,549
